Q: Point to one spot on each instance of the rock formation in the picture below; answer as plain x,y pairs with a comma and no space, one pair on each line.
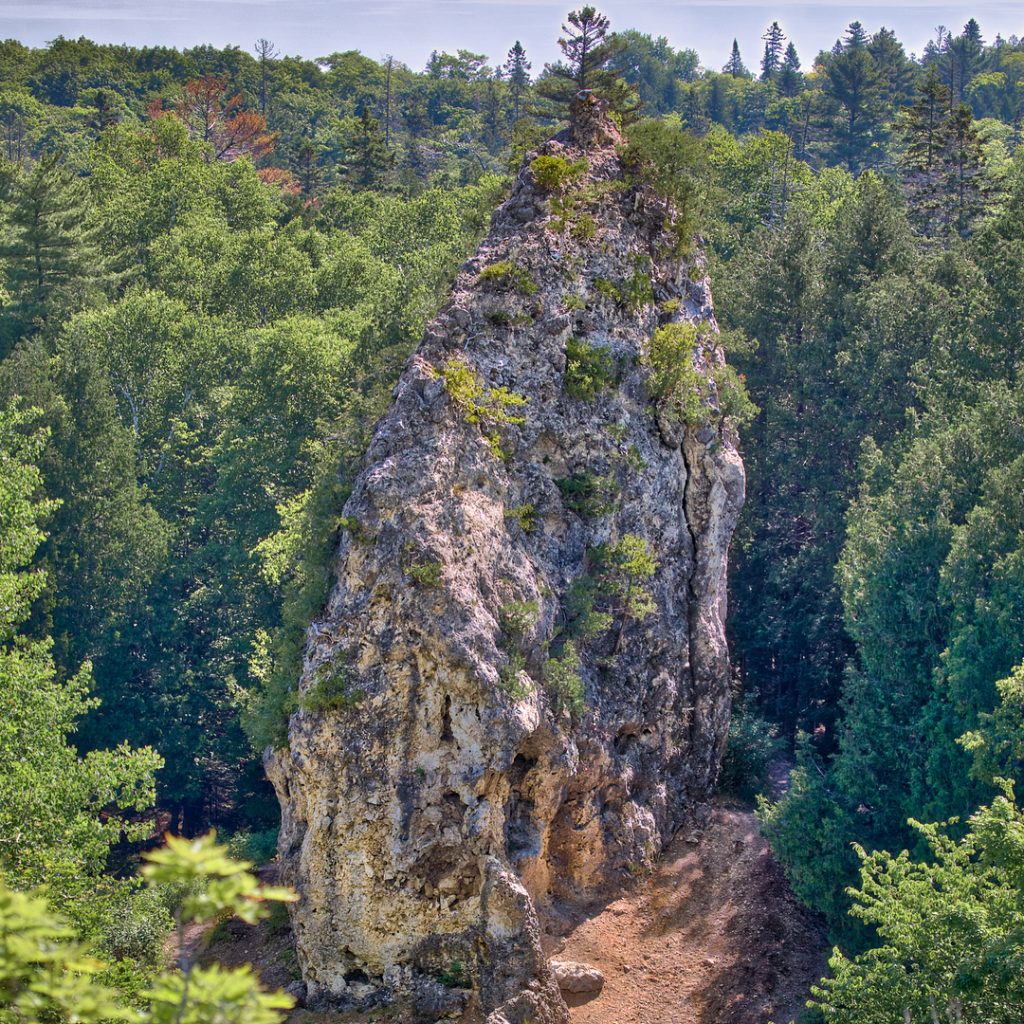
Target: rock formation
504,710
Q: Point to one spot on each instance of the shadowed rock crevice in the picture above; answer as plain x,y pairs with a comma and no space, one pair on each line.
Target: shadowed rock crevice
518,739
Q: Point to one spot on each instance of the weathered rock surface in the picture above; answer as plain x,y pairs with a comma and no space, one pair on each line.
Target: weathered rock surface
574,978
427,823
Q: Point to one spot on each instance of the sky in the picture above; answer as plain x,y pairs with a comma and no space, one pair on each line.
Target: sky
411,29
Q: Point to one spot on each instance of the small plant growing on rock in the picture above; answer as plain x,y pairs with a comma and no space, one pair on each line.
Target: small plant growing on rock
505,274
426,574
584,228
571,301
330,693
556,174
606,288
589,370
564,682
588,494
733,398
454,976
583,621
675,383
488,407
517,618
638,290
671,306
523,516
623,569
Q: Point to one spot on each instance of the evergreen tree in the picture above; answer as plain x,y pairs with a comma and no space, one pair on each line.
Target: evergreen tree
853,84
734,65
517,73
920,129
789,78
962,182
589,51
368,159
51,261
771,62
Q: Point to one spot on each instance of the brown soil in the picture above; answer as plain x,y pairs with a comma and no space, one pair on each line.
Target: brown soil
714,936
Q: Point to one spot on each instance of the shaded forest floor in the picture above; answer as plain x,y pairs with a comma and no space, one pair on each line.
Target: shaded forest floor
713,936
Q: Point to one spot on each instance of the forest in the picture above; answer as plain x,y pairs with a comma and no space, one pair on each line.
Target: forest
214,264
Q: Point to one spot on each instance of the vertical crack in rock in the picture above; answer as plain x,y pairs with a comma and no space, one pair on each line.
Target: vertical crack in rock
461,790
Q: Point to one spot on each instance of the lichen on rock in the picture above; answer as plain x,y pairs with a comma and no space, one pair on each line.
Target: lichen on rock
532,713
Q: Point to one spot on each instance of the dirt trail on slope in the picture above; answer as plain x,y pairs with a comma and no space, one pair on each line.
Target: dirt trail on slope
714,936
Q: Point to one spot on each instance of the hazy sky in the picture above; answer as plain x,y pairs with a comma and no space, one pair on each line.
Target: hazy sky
410,29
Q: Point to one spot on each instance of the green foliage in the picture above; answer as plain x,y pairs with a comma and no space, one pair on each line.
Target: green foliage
330,693
507,275
671,162
480,404
523,515
589,495
584,622
46,974
425,574
556,174
623,569
589,370
949,944
606,288
51,798
564,682
752,746
676,385
518,618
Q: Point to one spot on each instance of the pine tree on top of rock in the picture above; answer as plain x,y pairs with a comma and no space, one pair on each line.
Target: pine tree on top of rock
586,71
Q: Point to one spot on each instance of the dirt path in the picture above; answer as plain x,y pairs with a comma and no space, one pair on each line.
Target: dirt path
714,936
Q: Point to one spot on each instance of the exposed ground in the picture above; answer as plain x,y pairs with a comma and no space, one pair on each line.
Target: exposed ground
713,936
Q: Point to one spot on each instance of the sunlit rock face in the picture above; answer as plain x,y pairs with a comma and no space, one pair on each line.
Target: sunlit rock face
452,802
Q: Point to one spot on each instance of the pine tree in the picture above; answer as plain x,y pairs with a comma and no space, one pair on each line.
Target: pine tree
47,249
856,37
854,85
735,66
265,53
586,70
771,62
789,78
962,182
920,129
517,71
368,157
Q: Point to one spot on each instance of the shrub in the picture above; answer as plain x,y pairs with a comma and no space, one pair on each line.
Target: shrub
330,693
564,682
258,847
555,173
523,515
589,370
571,301
671,162
733,398
583,621
622,569
511,675
505,274
675,384
589,495
584,228
480,404
425,574
606,288
752,746
517,618
638,290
